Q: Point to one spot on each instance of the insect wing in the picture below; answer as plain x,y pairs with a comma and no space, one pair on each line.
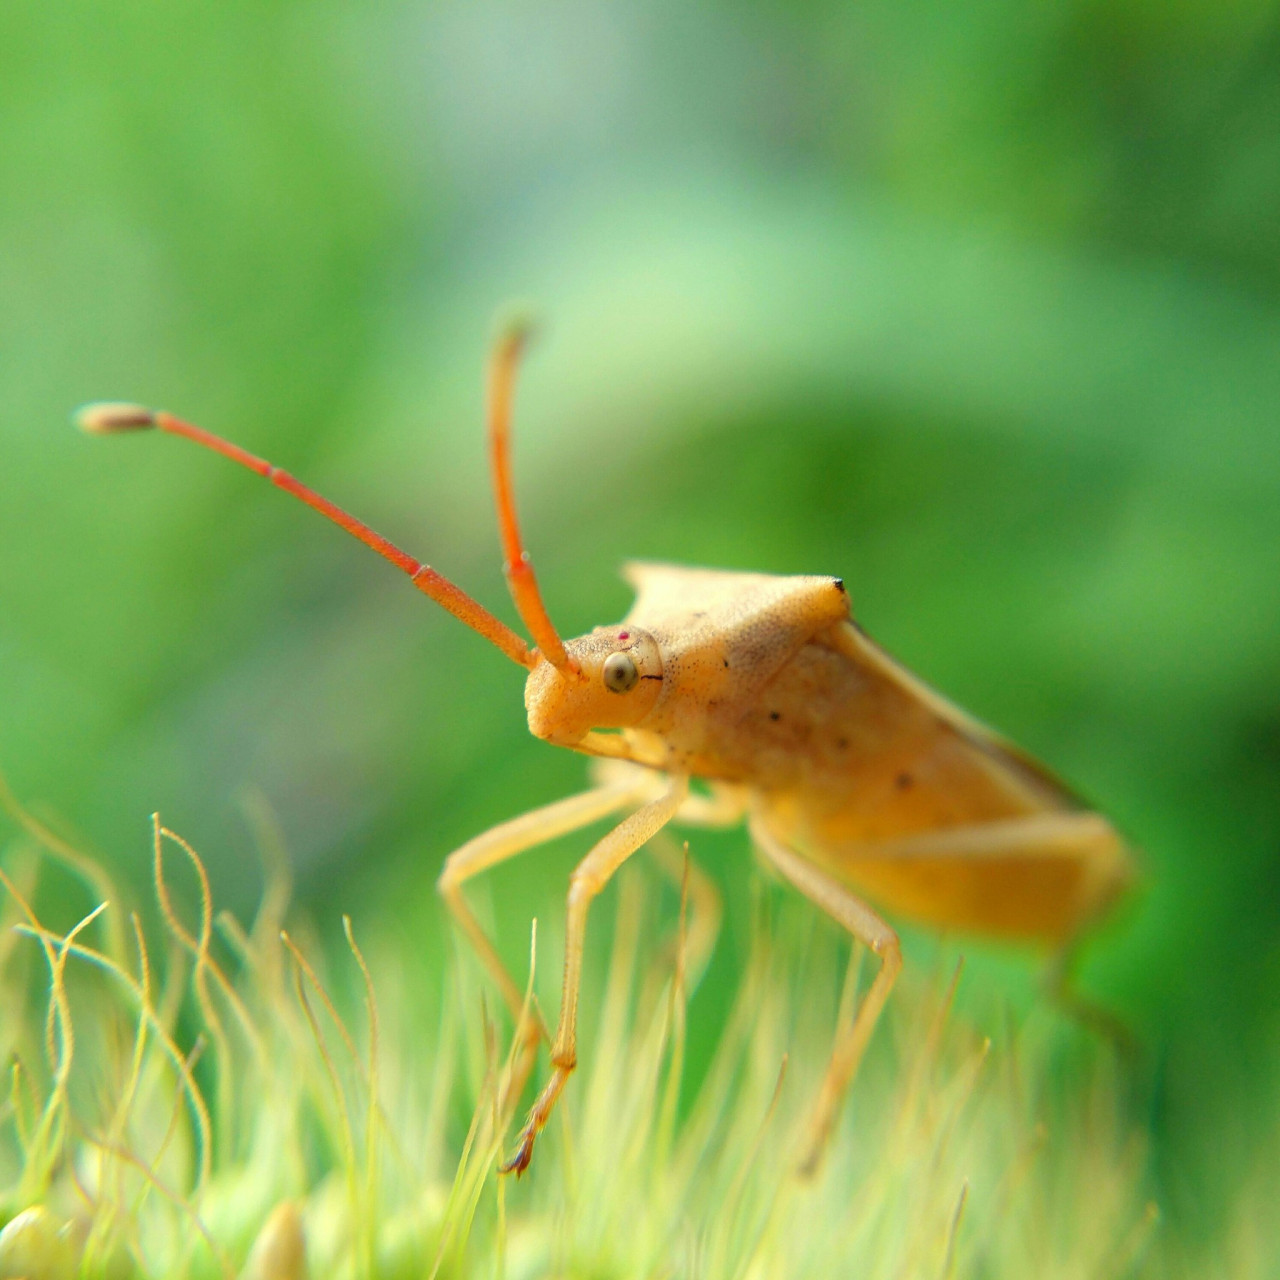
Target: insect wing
940,819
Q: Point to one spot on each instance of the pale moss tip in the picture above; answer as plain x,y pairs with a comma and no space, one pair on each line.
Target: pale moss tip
280,1251
31,1245
104,418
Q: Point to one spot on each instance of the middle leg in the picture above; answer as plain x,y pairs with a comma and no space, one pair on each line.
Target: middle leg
867,927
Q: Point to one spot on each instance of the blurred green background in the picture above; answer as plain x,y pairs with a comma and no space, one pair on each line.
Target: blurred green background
978,307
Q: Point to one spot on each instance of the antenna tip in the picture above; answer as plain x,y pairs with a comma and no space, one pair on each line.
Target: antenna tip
106,418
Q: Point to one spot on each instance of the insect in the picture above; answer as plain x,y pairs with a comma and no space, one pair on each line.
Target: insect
858,783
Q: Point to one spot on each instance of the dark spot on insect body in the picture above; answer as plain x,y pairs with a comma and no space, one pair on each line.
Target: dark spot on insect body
842,743
775,715
904,782
650,677
838,583
726,664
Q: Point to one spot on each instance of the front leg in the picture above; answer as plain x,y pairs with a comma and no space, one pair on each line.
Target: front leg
588,879
508,840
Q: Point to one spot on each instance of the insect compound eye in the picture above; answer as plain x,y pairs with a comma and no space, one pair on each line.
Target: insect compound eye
620,673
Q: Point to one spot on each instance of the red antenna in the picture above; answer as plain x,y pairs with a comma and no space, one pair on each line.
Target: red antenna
516,563
104,419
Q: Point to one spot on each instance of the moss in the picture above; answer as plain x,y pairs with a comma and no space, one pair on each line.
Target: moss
232,1101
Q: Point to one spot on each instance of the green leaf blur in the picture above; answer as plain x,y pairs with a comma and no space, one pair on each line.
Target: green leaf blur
975,306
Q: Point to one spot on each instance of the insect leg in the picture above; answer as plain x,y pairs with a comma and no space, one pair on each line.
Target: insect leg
1060,984
867,927
589,877
509,839
722,805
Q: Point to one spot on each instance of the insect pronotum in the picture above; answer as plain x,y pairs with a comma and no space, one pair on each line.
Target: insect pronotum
858,783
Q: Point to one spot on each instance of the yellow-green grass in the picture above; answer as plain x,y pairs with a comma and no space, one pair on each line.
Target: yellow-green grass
223,1101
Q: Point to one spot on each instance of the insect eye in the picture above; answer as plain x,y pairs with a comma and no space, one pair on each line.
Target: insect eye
620,673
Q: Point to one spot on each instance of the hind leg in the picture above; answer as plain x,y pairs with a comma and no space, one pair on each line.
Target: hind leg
1060,983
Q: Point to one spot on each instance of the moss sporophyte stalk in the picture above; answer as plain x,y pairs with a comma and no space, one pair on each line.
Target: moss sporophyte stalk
285,1099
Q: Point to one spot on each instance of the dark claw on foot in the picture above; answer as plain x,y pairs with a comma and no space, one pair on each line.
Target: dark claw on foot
520,1161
